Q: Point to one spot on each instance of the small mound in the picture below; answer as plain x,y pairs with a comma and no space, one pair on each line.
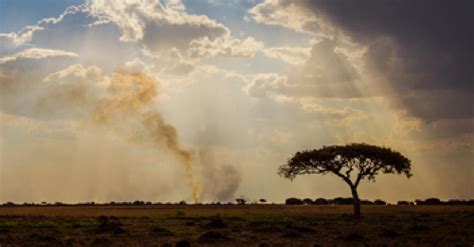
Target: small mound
114,218
107,227
216,223
212,237
254,224
269,229
301,229
418,228
387,233
190,223
42,238
101,242
291,234
183,243
158,231
102,218
354,237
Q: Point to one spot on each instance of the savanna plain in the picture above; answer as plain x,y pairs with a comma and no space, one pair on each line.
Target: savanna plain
237,225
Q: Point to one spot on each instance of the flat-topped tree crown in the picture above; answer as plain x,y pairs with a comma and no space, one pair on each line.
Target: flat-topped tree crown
363,160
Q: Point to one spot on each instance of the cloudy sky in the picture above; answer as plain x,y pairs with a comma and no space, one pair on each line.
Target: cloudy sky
163,100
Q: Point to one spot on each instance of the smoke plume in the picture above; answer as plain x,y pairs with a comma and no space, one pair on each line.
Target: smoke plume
122,103
128,109
222,179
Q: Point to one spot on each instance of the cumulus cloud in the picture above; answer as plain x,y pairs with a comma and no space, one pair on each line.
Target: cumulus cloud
36,53
177,5
285,13
157,25
226,46
71,31
327,73
173,63
415,47
121,29
332,115
11,41
290,55
262,85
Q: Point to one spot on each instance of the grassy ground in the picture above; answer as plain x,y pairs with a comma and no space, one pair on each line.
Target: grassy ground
224,225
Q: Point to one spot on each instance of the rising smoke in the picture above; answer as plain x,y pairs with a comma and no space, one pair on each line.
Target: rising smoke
128,109
122,103
221,179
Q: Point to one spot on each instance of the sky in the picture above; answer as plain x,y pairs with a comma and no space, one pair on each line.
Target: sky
174,100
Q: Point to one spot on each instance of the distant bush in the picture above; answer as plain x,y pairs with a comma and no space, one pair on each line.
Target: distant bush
379,202
436,201
138,203
9,204
321,201
240,201
433,201
342,201
308,201
455,202
293,201
262,200
403,203
366,202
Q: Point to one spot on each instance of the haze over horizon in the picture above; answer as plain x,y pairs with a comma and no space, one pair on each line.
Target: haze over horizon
170,100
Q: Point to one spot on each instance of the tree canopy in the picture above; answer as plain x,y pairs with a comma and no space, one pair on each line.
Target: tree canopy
365,160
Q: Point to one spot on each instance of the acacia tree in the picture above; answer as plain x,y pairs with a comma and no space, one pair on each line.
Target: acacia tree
362,160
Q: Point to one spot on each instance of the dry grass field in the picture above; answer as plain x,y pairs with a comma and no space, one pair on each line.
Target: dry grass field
236,225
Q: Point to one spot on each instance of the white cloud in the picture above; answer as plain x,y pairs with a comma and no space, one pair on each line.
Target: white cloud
226,46
338,116
154,23
177,5
10,41
172,63
76,72
36,53
286,14
263,85
326,74
290,55
137,65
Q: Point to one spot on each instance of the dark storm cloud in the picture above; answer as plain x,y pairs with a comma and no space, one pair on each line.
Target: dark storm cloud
424,48
325,74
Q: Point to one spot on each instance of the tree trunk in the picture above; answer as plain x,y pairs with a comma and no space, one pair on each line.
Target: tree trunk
356,202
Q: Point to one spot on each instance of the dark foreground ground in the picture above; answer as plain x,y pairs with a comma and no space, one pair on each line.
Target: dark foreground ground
233,225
